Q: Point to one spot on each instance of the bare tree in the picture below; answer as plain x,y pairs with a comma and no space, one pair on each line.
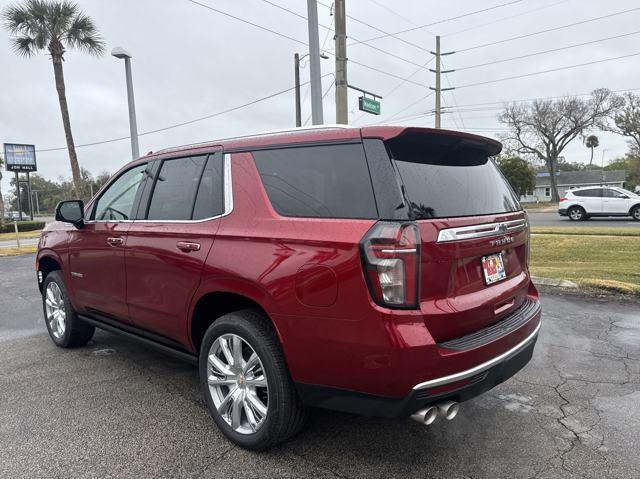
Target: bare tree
627,120
544,128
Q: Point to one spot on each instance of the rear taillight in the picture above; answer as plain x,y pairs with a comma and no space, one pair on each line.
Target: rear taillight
391,262
562,199
528,243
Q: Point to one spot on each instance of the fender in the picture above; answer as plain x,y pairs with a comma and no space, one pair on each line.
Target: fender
234,285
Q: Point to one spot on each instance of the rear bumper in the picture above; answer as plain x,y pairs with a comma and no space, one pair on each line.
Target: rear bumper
562,211
459,387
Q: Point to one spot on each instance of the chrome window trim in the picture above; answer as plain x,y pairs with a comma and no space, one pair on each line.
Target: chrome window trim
481,231
480,367
227,186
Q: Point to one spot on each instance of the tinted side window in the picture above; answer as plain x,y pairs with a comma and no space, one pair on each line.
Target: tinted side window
175,189
591,193
210,197
318,181
611,194
116,203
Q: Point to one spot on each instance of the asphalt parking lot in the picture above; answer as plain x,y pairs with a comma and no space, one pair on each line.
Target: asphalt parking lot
116,409
552,218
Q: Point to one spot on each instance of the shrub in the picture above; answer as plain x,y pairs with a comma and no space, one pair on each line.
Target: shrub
22,226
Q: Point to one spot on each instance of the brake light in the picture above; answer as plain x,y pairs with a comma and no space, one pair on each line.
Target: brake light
391,263
528,243
562,199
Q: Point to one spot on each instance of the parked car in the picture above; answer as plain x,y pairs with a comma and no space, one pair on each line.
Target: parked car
581,204
381,271
15,215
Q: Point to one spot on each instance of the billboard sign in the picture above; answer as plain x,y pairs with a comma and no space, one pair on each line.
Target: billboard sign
20,157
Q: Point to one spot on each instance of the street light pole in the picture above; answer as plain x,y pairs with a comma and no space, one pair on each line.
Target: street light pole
121,53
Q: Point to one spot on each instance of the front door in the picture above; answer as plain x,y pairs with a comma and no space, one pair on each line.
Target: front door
96,251
614,202
166,249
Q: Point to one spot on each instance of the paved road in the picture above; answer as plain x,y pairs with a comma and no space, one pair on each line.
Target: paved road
116,409
547,218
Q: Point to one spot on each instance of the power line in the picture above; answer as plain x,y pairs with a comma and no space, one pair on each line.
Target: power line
498,20
519,57
373,27
444,20
548,71
406,19
561,27
363,42
248,22
323,96
184,123
398,85
451,90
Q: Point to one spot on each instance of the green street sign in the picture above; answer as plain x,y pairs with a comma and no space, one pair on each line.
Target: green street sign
369,105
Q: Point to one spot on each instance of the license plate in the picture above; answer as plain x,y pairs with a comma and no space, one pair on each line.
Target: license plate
493,268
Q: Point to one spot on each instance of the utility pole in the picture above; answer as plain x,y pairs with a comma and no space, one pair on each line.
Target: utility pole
296,67
438,89
342,114
121,53
314,61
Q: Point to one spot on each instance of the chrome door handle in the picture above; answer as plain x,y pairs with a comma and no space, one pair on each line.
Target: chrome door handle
188,246
115,241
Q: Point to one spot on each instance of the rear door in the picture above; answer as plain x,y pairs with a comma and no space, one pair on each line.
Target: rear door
169,243
590,199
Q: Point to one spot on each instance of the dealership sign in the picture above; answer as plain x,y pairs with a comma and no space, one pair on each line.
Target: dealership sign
20,157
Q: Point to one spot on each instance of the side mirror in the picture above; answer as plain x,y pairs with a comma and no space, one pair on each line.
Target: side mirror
624,197
71,211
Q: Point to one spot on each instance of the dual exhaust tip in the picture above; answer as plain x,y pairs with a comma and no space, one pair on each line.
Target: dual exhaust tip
446,409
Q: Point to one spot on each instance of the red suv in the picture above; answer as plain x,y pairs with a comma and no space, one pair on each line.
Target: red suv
381,271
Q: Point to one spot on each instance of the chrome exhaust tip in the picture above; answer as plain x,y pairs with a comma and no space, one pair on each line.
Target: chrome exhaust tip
426,416
448,409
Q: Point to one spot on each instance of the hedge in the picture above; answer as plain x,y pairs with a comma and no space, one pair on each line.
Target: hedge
22,226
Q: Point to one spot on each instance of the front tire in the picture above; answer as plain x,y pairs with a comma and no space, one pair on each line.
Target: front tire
65,328
246,383
576,213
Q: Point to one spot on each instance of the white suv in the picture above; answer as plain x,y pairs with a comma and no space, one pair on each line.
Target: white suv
582,203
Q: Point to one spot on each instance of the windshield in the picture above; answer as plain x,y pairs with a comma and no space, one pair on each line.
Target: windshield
626,192
448,181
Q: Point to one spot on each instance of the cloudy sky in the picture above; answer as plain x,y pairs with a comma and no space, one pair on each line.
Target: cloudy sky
191,62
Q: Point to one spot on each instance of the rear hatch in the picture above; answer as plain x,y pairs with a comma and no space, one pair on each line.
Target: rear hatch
474,234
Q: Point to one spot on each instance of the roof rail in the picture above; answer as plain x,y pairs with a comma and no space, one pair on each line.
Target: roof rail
264,133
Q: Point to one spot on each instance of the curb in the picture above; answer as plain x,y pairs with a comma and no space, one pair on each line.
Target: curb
558,283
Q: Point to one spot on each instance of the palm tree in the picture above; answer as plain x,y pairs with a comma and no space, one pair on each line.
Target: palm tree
592,142
54,26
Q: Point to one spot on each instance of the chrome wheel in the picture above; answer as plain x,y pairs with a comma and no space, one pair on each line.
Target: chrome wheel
56,313
237,383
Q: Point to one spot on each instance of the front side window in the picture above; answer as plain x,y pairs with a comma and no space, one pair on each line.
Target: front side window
175,189
329,181
116,203
607,193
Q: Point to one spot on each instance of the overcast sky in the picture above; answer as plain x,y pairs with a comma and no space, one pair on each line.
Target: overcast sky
191,62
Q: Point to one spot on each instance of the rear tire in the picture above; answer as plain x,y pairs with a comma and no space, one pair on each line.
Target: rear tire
635,213
577,213
65,328
246,383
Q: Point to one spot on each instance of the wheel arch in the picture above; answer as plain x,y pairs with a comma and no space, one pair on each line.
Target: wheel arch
637,205
211,304
46,263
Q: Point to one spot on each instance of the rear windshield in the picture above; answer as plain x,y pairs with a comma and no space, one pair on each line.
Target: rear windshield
443,181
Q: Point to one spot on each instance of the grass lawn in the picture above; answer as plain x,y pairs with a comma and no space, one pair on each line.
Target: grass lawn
17,251
539,206
23,235
601,259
